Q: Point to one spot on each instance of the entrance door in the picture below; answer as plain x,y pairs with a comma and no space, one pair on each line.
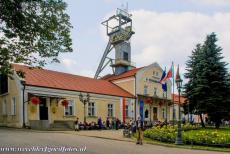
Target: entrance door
43,109
155,113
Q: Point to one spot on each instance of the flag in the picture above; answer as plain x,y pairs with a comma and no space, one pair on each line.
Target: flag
168,75
142,110
163,83
177,74
124,108
177,77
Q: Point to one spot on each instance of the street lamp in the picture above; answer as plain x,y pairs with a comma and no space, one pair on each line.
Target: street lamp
84,100
179,129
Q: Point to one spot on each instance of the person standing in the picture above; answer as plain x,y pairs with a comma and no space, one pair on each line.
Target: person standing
139,126
107,123
99,122
76,125
117,124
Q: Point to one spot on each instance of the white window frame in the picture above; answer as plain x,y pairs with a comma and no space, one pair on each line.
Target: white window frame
90,107
71,103
13,106
110,108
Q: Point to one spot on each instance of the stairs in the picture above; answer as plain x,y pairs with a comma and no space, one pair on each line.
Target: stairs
62,125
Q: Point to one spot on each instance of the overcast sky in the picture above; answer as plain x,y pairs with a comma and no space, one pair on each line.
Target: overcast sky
165,31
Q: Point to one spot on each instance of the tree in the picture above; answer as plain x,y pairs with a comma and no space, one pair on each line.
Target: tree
192,102
33,32
208,90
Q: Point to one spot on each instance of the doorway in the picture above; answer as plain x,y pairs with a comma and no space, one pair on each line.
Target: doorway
43,109
155,113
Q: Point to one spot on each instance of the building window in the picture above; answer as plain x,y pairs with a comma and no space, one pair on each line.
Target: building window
155,91
127,110
4,107
126,56
157,74
145,90
91,109
146,113
3,84
69,110
13,106
110,110
163,113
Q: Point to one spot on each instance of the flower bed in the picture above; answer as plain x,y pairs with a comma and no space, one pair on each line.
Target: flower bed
207,137
191,135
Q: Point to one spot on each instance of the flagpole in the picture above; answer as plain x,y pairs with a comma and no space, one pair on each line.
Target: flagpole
166,102
173,93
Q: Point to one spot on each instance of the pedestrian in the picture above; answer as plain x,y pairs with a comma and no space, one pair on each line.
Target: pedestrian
117,124
99,122
139,125
107,123
76,126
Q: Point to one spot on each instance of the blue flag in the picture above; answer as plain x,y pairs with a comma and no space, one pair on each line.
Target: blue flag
142,110
164,84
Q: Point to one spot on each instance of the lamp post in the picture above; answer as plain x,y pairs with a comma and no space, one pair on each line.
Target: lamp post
179,129
84,100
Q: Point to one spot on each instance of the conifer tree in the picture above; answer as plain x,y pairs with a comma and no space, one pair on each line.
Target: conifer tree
208,90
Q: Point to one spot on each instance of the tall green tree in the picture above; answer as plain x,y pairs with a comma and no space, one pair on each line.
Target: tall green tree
208,90
33,32
192,67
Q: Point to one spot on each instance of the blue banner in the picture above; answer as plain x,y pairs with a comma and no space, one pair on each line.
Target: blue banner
142,110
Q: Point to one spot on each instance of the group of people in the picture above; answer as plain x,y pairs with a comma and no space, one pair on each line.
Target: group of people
115,123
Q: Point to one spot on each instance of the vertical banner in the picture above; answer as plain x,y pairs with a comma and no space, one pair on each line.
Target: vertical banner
123,109
142,109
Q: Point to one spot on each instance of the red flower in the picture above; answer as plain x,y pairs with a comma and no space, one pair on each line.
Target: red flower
35,100
161,103
149,101
65,103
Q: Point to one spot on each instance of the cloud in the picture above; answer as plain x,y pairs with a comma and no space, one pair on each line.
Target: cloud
167,37
68,62
212,2
86,72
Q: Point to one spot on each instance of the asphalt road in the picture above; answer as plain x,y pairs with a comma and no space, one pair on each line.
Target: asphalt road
48,140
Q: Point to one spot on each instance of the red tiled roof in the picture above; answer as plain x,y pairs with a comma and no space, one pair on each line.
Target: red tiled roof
120,76
59,80
176,99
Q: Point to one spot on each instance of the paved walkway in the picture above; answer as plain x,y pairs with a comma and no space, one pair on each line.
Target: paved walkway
107,134
54,140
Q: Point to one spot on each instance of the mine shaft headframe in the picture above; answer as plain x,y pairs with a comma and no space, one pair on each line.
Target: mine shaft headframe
119,26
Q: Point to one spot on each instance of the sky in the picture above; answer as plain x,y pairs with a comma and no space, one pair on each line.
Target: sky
165,31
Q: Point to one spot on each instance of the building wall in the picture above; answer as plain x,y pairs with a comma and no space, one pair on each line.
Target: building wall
150,76
56,109
147,80
10,119
127,84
